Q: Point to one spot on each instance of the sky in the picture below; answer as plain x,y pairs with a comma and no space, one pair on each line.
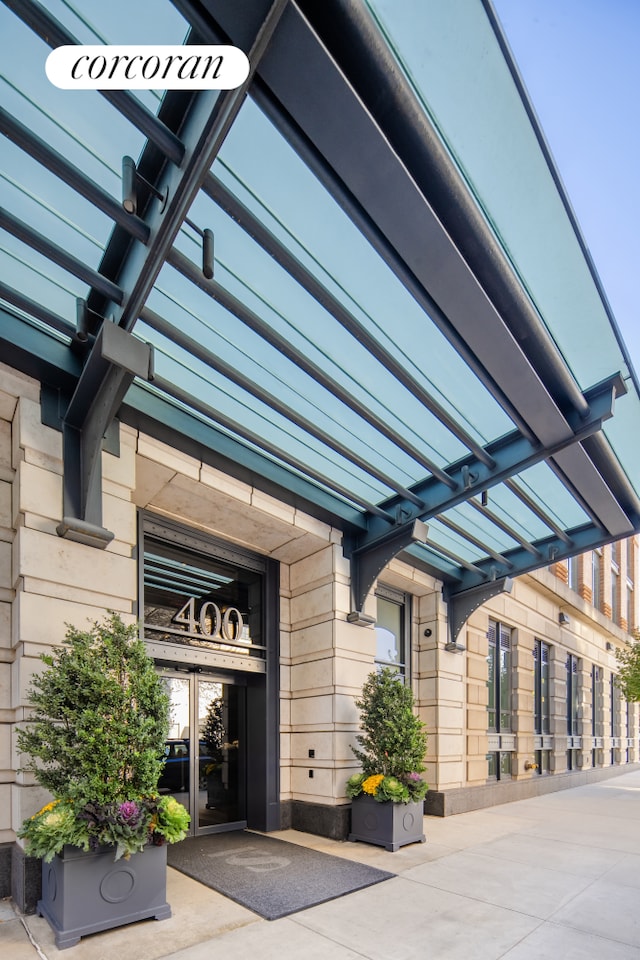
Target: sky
580,61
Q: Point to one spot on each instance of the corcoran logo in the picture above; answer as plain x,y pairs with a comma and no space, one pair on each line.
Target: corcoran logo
147,67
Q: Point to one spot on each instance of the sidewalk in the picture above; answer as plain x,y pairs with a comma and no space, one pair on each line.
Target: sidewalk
555,876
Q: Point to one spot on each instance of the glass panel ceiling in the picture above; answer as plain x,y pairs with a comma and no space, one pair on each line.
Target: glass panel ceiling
296,208
305,413
465,85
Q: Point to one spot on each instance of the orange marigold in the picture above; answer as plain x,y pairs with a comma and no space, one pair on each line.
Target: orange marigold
371,784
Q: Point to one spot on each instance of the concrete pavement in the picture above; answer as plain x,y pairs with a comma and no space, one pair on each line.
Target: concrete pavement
553,876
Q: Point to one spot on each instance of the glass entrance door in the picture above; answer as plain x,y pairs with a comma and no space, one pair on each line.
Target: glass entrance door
205,767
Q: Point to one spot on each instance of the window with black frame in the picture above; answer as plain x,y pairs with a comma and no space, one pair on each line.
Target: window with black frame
596,712
596,573
572,710
392,629
541,703
499,687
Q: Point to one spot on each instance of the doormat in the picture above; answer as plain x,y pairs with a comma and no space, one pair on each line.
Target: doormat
269,876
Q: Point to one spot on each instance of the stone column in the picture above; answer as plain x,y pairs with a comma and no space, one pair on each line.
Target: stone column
58,581
584,713
558,707
330,659
441,695
476,698
523,720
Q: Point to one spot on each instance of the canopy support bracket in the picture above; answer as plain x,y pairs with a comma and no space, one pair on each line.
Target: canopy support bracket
461,605
116,358
369,561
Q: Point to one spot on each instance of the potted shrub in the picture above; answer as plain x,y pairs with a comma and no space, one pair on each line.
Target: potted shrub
388,796
95,739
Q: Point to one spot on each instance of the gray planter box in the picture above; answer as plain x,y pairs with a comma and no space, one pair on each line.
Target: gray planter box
389,825
87,892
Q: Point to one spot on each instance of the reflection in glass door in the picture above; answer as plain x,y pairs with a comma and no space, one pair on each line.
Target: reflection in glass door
206,772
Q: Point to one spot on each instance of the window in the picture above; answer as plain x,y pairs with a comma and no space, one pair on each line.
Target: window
615,590
631,618
572,695
541,687
596,709
572,570
596,558
542,719
572,708
499,695
614,695
392,625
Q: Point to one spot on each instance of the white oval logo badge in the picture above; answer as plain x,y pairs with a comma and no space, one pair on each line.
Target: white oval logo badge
147,67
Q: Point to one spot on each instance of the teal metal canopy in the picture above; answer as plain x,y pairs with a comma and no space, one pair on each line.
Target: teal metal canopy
400,329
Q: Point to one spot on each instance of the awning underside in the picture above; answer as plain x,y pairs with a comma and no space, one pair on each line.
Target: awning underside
345,352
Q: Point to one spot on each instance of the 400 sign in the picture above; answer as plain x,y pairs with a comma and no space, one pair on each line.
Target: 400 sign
211,622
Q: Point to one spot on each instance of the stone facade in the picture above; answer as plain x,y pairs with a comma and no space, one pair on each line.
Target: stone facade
46,582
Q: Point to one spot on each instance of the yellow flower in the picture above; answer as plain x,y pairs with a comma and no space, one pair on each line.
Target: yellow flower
45,809
371,784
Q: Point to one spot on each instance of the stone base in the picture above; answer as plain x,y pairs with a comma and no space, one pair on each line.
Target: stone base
26,879
5,870
320,819
447,803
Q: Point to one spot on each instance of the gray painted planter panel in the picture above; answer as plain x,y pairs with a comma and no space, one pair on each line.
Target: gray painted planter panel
87,892
389,825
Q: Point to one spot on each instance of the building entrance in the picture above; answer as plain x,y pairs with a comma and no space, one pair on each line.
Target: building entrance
209,616
205,756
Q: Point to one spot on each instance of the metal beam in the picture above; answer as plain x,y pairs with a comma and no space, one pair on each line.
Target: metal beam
249,385
216,416
300,70
512,454
37,310
205,127
551,549
58,255
240,214
505,527
37,352
78,181
197,435
284,346
470,538
535,508
115,359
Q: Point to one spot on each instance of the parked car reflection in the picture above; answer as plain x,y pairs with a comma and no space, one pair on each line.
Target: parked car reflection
175,773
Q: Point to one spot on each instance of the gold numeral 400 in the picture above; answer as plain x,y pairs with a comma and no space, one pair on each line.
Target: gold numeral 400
211,622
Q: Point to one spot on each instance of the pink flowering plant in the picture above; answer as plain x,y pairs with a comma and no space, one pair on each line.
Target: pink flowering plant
95,740
392,745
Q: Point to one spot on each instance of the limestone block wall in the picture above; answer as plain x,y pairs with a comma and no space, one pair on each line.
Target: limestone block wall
55,581
12,387
329,659
436,685
523,724
532,610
